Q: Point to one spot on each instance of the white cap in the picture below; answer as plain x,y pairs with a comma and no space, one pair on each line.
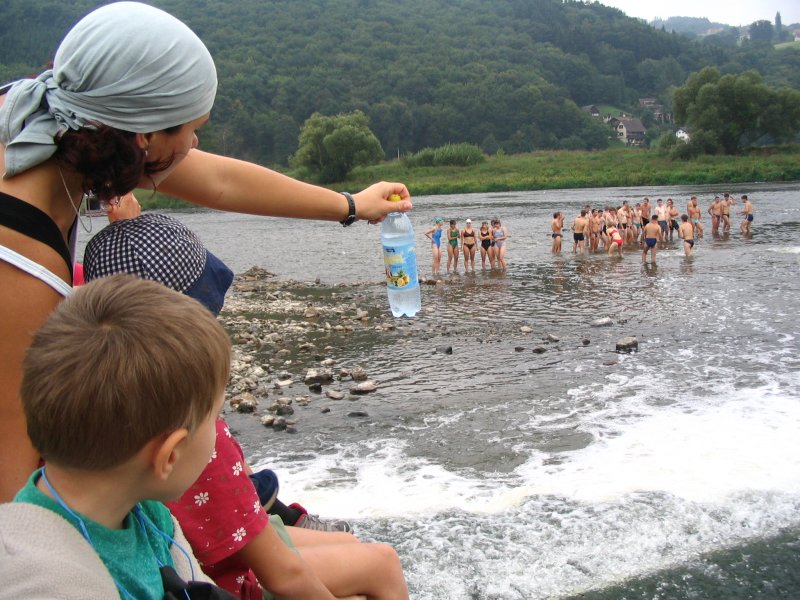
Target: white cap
469,220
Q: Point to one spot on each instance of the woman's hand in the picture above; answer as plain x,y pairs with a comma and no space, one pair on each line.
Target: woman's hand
373,204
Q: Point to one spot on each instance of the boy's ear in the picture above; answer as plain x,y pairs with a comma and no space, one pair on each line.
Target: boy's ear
166,452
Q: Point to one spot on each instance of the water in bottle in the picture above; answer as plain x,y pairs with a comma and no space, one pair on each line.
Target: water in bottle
400,262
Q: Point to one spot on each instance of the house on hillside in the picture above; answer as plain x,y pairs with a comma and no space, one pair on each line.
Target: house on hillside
797,35
683,135
653,105
629,130
592,110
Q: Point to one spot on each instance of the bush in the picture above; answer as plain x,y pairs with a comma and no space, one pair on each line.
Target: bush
452,155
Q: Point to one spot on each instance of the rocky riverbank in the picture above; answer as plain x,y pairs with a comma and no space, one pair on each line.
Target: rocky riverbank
289,338
285,337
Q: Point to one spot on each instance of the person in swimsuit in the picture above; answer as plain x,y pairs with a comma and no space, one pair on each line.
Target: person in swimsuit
686,233
672,216
662,212
434,234
580,227
652,233
636,222
747,213
727,202
468,246
453,237
715,210
695,214
487,249
500,235
595,225
556,226
615,241
50,156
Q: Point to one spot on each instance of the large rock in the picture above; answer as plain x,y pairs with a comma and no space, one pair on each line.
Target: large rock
318,376
627,344
365,387
358,374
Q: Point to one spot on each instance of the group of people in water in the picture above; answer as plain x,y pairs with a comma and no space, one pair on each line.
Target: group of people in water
492,237
610,229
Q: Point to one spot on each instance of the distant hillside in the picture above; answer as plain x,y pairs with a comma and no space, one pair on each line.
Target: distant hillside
507,74
691,26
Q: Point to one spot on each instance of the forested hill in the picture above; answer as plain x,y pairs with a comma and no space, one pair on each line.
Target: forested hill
508,74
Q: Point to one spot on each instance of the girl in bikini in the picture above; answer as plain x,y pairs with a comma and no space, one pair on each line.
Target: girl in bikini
468,246
485,235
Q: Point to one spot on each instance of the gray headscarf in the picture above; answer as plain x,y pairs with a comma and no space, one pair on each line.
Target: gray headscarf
126,65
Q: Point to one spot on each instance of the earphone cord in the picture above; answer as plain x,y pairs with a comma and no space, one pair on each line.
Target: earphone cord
141,518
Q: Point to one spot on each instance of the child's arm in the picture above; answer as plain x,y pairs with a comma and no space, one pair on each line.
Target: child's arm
280,570
228,184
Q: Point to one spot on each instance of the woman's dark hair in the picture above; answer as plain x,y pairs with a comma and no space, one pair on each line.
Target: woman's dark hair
109,161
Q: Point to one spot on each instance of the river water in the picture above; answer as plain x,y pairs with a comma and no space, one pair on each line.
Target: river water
496,472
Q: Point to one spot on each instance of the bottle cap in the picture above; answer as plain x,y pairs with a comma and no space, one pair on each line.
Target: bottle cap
395,198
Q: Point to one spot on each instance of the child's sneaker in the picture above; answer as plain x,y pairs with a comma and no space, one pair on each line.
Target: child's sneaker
307,521
266,484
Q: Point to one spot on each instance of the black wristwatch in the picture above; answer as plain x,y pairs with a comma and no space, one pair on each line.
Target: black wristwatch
351,210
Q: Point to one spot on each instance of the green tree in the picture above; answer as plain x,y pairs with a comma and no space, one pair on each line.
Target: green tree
330,147
762,32
732,112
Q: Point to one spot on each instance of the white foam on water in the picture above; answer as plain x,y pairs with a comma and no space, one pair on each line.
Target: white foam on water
699,453
658,485
784,249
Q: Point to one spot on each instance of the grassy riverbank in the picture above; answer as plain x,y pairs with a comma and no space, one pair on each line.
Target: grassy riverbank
568,170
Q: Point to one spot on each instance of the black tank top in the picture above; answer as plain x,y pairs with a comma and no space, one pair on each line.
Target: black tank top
34,223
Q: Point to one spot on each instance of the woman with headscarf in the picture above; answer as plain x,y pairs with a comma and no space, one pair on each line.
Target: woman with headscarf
120,109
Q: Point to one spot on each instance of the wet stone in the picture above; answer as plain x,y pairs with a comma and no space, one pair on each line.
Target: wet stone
358,413
284,410
358,374
365,387
604,322
627,344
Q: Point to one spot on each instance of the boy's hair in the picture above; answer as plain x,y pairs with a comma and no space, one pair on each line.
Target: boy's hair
684,218
118,363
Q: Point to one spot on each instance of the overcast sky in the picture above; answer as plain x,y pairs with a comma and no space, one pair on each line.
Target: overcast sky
730,12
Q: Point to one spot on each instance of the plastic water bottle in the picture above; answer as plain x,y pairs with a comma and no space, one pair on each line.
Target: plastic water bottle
400,262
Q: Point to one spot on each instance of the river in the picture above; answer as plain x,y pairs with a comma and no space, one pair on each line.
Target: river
499,473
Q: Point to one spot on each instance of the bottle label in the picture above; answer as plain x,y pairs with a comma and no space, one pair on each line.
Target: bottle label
401,266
